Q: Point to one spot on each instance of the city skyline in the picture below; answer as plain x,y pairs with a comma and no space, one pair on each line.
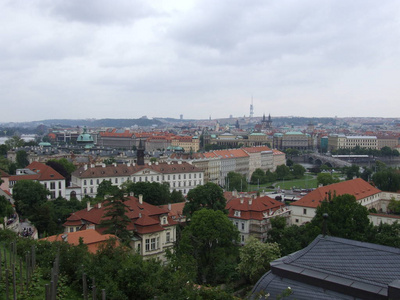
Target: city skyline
127,59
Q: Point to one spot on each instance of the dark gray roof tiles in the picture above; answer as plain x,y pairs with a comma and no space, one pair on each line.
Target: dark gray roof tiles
339,267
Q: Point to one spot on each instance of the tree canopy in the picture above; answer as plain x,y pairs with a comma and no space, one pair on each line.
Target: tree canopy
208,195
387,180
153,192
326,179
210,238
255,257
346,217
236,181
29,195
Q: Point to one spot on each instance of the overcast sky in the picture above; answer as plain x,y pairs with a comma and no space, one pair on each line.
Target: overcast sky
161,58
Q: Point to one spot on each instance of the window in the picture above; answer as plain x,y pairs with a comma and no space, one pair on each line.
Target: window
184,176
138,248
237,225
59,184
52,185
97,181
91,181
164,220
71,229
116,180
76,228
304,211
158,178
85,191
53,195
84,182
152,244
237,213
173,177
179,176
242,237
168,237
91,190
297,220
242,226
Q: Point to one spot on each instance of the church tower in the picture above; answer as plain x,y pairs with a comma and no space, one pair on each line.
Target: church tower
140,154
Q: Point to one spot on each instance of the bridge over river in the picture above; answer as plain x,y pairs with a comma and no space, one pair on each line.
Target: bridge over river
319,159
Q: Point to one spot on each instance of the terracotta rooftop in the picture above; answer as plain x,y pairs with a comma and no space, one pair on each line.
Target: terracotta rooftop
90,237
356,187
43,173
253,209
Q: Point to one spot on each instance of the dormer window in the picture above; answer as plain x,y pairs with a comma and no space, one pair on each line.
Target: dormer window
164,220
237,213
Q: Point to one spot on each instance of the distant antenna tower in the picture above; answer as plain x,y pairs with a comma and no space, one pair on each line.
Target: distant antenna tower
251,108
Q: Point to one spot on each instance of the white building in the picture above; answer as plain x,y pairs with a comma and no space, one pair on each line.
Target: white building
180,176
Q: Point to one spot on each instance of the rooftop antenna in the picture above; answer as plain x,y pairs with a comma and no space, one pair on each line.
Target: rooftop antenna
251,107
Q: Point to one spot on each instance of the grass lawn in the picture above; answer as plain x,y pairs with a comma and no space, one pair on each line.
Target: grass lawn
308,181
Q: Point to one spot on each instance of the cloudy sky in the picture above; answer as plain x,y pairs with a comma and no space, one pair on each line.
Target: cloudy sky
162,58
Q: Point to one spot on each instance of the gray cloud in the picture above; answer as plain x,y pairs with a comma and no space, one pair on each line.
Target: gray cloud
126,58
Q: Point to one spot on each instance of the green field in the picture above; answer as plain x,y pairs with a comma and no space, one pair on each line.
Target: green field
307,182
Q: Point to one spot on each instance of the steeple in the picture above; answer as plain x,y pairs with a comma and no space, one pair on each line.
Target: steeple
140,154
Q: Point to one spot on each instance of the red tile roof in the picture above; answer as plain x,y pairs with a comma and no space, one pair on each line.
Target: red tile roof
256,149
143,216
90,237
114,133
253,209
356,187
3,174
46,172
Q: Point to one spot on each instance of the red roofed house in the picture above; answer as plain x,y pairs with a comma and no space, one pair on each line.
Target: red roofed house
304,209
90,237
44,174
154,230
252,215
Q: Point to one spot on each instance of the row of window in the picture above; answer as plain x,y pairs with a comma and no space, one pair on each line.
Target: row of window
145,178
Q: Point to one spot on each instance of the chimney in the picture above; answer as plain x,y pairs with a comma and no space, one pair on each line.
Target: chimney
156,163
241,200
114,164
128,164
141,199
169,206
99,205
85,167
103,165
250,201
140,215
131,194
234,193
92,165
88,207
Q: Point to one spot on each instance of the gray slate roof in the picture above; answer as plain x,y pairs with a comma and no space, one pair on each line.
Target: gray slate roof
338,267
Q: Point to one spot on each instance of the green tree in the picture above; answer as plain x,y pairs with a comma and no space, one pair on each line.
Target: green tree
210,238
291,238
3,150
109,161
270,176
62,166
346,217
258,177
6,208
366,174
209,195
153,192
255,257
353,171
298,171
282,172
394,207
14,142
29,196
325,179
236,181
106,188
289,162
22,159
176,197
387,180
115,219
